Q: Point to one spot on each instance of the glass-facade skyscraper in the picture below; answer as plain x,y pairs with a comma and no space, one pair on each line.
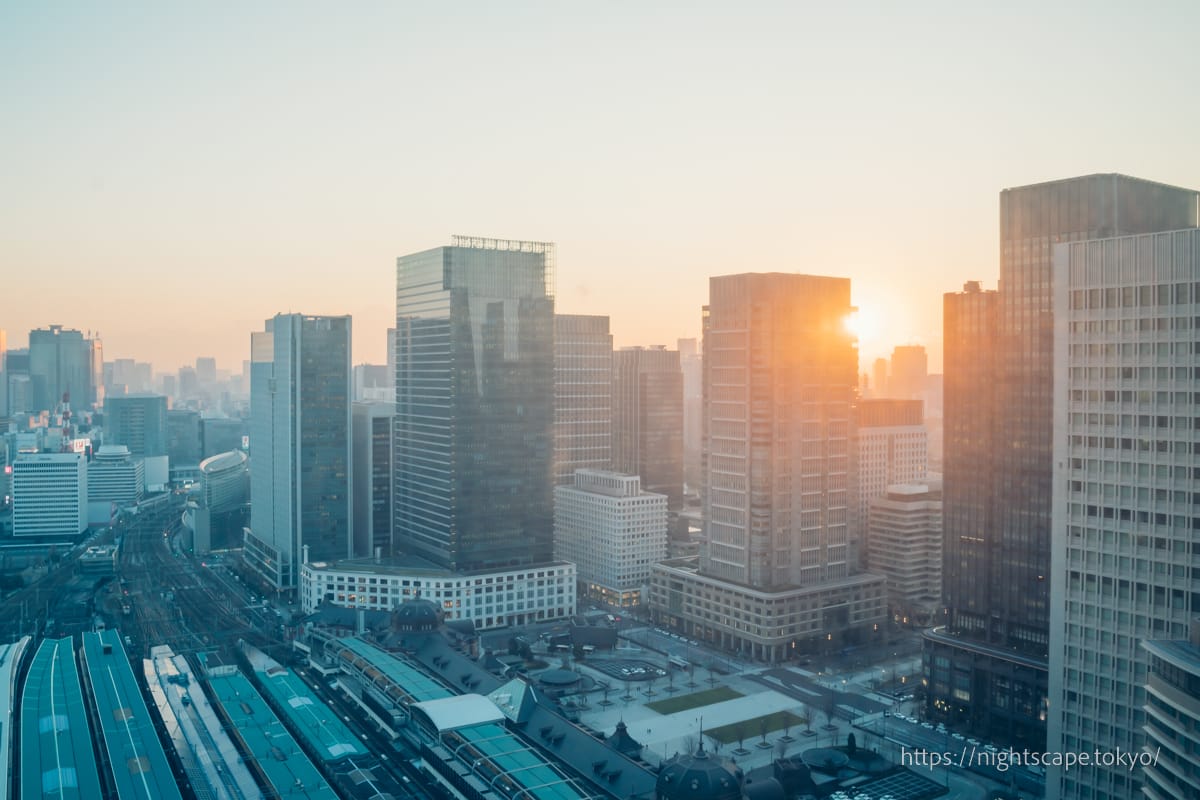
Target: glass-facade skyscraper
987,669
474,430
300,465
647,429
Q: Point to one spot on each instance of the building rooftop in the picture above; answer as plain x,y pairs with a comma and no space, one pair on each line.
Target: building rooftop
461,711
136,760
322,730
10,658
414,565
56,740
267,742
392,671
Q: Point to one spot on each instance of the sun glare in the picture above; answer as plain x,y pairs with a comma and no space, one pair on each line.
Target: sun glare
863,324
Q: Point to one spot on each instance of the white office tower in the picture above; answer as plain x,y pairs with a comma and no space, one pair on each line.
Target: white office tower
115,476
49,496
893,448
905,535
1125,527
613,532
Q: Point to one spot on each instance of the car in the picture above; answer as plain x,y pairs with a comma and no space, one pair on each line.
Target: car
958,736
991,748
941,728
973,741
928,725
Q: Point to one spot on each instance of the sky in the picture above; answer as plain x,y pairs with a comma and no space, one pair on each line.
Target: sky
171,174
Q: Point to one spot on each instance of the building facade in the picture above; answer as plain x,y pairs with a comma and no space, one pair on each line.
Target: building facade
493,599
893,448
50,496
474,432
583,386
998,512
1125,518
612,531
647,433
778,573
909,372
372,434
301,465
61,363
904,532
139,422
1172,717
115,476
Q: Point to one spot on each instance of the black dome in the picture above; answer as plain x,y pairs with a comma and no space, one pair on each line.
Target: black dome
699,776
417,615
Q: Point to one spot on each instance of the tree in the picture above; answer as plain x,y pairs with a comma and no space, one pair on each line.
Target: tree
762,728
828,707
740,734
808,717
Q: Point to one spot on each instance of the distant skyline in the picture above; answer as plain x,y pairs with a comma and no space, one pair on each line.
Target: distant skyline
172,175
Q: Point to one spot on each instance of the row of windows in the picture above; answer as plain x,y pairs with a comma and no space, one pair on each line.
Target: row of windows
1146,296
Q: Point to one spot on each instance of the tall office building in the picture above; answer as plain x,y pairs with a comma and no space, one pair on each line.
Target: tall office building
583,385
879,377
372,435
988,667
138,421
61,362
905,546
220,435
115,476
183,437
474,444
647,436
206,371
692,366
3,373
777,574
1126,472
893,448
1172,704
300,466
910,370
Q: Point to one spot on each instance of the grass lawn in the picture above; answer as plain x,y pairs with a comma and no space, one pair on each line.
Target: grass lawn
752,729
694,700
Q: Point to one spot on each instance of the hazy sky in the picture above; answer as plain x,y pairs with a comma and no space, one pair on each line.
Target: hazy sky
171,174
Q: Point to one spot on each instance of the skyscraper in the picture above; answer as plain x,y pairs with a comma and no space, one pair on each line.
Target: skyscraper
910,369
300,465
138,421
777,574
988,666
1126,529
692,366
60,362
3,373
893,448
474,429
648,419
373,480
583,385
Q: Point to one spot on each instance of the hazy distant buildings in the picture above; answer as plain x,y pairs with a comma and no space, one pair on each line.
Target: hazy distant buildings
50,496
776,575
612,531
879,378
206,371
909,372
183,437
648,419
138,421
988,667
61,361
474,431
372,384
892,449
3,373
372,436
583,387
300,469
905,547
1125,522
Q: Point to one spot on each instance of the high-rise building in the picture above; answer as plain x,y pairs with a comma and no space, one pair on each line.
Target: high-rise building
206,371
777,574
222,513
893,448
692,366
910,370
612,531
879,375
987,668
300,465
60,363
220,435
138,421
3,373
647,435
905,546
50,496
474,444
183,437
373,480
1125,523
583,385
391,364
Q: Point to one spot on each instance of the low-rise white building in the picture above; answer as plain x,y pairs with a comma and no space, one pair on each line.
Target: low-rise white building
50,495
613,532
115,476
493,599
905,535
